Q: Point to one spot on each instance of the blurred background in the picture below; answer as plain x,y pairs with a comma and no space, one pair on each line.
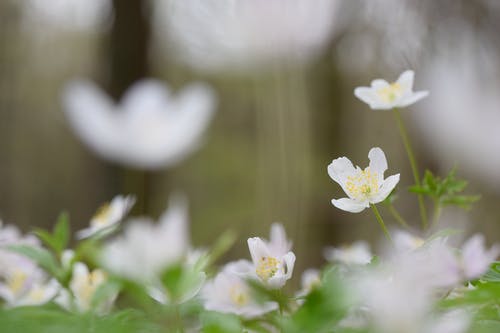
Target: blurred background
284,78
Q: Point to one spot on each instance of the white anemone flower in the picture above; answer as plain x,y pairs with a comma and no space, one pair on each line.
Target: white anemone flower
405,241
475,258
273,261
245,34
149,129
108,216
18,274
357,253
38,294
228,292
385,96
310,279
84,284
363,187
146,248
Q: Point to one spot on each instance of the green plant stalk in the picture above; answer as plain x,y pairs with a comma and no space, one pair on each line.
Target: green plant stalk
437,212
397,216
381,222
413,164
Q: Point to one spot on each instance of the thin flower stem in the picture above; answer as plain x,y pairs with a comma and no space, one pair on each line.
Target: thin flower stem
397,216
381,222
413,163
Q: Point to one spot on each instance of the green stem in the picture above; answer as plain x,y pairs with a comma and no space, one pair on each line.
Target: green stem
397,216
381,222
413,163
437,212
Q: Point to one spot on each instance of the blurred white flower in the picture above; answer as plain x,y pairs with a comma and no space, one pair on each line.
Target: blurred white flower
148,129
405,241
18,274
107,217
363,187
244,34
385,96
38,294
146,249
475,258
459,126
229,293
273,261
310,279
84,284
357,253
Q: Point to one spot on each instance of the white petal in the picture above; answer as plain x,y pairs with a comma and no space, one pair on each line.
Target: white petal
278,243
379,84
412,98
366,94
258,249
406,80
476,259
350,205
289,260
340,169
92,115
378,162
146,96
386,188
279,280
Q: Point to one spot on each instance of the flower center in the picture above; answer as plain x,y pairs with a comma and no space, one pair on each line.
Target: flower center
363,185
267,267
390,93
89,284
101,217
238,295
37,294
17,281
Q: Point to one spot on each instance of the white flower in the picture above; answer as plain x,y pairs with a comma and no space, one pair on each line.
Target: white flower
244,34
385,96
38,294
363,187
357,253
310,279
108,216
475,259
84,284
273,261
405,241
18,274
229,293
146,249
148,129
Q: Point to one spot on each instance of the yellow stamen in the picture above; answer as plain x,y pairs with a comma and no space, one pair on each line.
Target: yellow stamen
101,217
267,267
391,92
16,281
362,185
238,295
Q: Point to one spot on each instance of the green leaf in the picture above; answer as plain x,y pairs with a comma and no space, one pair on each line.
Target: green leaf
41,256
445,191
107,290
493,274
59,238
181,281
322,309
61,232
214,322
